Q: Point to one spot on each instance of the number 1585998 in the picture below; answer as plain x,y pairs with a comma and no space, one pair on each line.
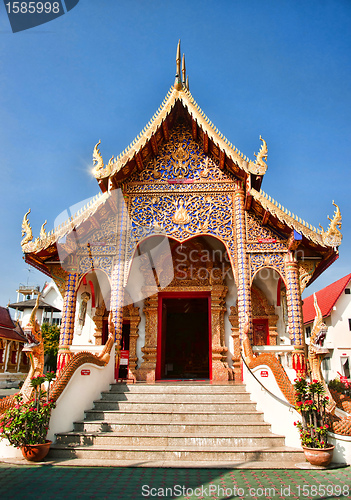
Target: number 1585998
33,7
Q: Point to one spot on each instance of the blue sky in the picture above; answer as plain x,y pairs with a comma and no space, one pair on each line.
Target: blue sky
277,68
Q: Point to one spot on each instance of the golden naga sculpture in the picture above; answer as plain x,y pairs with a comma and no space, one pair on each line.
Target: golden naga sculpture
333,237
99,169
249,356
35,351
252,361
316,352
261,156
26,230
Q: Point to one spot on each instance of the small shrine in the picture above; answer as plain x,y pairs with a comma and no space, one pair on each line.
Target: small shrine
182,256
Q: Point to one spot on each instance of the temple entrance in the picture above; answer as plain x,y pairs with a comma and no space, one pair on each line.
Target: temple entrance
184,337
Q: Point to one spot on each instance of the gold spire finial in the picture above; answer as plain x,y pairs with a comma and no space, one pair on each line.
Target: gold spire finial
178,58
183,71
178,81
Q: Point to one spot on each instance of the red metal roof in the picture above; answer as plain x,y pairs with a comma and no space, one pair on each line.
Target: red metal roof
5,318
326,298
8,329
7,333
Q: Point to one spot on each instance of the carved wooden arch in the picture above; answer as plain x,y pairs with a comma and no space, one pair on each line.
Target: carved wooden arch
193,276
189,240
269,266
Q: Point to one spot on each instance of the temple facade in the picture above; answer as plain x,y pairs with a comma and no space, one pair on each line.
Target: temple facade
182,254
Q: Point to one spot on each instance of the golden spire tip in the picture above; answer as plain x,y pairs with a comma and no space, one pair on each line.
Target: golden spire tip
178,81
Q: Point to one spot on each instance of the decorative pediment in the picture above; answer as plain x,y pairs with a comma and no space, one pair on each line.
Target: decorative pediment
261,238
179,159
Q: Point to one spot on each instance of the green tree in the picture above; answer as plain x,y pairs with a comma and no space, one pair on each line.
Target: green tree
51,337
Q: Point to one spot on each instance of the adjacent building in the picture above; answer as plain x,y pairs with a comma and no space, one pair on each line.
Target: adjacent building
13,362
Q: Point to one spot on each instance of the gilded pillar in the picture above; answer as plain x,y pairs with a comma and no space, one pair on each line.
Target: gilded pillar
134,319
242,262
117,276
220,368
148,366
293,299
68,316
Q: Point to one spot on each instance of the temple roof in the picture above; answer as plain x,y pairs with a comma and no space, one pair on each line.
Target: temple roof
30,304
8,329
156,131
326,298
180,107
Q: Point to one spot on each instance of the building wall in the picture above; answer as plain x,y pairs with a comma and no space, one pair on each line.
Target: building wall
338,338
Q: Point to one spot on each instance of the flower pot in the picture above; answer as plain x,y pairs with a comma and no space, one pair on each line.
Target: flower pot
36,452
319,456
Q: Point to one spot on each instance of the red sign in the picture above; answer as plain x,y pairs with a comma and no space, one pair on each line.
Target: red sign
180,181
124,358
267,240
85,372
264,373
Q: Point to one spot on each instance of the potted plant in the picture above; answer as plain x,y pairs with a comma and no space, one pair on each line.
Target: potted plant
26,424
311,403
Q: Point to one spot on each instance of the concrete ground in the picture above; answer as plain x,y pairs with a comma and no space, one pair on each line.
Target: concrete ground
33,482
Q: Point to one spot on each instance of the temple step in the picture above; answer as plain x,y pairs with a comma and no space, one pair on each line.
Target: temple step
202,439
234,417
190,428
172,423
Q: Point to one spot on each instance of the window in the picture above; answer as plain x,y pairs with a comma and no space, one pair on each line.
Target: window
345,366
13,357
308,331
347,291
326,364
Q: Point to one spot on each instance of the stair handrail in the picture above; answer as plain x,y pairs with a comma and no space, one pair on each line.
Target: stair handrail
286,403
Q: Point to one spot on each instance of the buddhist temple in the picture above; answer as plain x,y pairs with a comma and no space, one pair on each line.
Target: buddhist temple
13,362
182,255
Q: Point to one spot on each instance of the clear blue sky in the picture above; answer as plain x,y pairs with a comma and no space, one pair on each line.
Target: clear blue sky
280,68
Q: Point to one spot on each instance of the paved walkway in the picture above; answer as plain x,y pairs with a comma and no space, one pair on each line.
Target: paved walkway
47,482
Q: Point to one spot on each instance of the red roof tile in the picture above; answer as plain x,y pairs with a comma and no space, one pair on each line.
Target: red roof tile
8,329
326,298
11,334
5,318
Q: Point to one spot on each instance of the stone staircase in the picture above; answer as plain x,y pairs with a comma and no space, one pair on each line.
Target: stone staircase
175,425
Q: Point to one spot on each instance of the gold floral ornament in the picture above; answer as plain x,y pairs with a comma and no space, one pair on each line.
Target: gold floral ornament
99,169
333,237
205,172
180,162
260,165
26,230
181,216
